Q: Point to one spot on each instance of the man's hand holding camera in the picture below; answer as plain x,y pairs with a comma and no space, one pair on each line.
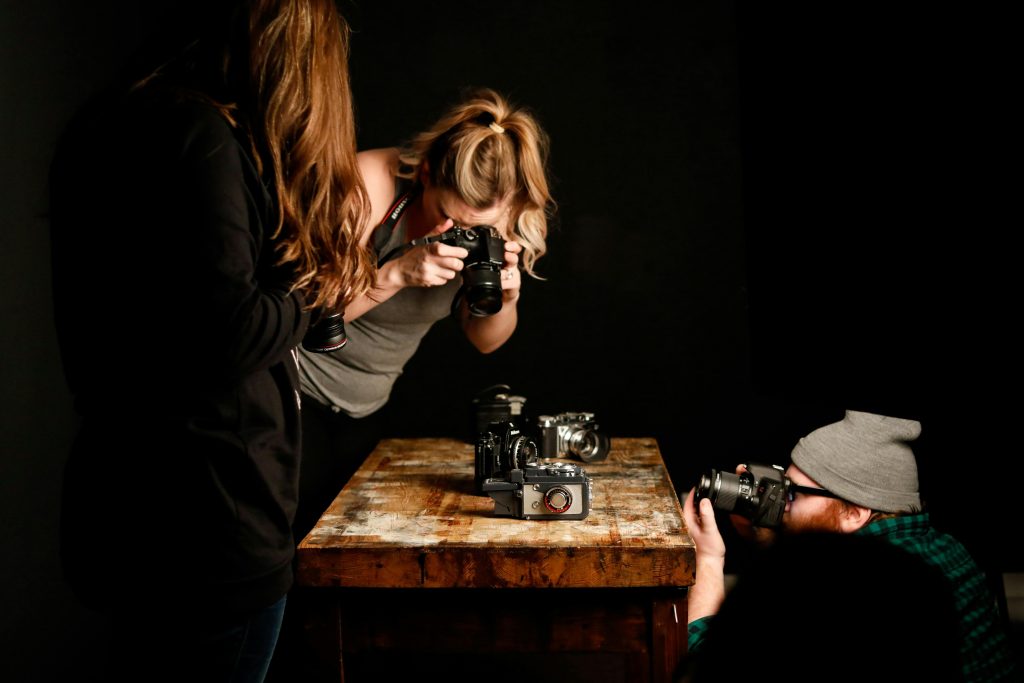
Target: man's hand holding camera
708,591
755,499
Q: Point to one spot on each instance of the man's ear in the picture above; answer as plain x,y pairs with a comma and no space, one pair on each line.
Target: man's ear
853,517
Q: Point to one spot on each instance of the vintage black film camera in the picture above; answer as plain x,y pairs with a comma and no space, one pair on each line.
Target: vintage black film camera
326,333
500,449
497,403
572,434
759,493
541,491
481,276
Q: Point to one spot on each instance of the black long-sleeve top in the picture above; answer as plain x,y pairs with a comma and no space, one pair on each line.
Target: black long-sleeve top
177,333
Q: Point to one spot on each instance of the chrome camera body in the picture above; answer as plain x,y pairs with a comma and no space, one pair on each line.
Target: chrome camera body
572,435
542,491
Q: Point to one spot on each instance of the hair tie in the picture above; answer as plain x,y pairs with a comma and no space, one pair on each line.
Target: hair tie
493,125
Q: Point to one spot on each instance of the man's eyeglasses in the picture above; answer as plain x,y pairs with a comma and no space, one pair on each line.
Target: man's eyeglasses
807,490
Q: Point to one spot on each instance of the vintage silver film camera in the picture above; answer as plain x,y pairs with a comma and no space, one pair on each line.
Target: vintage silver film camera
541,491
572,434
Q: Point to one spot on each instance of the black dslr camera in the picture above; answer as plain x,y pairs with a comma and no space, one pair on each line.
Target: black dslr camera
541,491
481,276
759,493
572,434
501,449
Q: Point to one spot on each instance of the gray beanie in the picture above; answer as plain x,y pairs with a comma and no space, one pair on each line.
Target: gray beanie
865,459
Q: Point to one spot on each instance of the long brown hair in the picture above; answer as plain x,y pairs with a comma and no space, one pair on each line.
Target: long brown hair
279,70
302,121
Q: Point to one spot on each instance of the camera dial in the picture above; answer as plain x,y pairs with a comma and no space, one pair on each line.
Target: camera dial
523,451
558,499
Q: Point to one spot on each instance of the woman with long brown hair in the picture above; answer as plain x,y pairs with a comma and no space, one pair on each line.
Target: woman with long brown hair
198,215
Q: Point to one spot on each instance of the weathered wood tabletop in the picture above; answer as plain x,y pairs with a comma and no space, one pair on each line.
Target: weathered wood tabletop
410,518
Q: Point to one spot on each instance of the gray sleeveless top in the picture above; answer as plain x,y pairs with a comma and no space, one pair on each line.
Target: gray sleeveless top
357,378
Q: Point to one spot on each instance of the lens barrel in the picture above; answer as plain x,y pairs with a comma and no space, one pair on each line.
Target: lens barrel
326,334
588,444
721,488
482,286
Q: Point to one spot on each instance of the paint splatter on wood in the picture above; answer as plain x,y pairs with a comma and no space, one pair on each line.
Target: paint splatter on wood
411,518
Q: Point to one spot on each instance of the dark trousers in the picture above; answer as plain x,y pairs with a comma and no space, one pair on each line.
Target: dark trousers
334,445
182,645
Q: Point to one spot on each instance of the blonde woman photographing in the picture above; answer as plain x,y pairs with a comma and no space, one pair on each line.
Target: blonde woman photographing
482,163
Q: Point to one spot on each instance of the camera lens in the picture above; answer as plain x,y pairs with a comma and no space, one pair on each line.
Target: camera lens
327,333
522,451
482,283
588,445
558,499
723,489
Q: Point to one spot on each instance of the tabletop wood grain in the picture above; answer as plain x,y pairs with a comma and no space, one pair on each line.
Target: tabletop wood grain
409,518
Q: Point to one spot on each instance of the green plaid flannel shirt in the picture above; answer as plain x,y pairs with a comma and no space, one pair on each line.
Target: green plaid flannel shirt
984,648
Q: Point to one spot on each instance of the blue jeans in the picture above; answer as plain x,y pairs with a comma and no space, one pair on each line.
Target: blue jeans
186,647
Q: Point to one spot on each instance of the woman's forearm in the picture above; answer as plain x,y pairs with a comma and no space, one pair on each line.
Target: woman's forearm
487,334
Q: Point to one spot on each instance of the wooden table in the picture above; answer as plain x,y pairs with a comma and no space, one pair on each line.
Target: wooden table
412,569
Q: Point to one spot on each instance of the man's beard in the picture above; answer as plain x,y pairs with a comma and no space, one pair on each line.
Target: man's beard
828,520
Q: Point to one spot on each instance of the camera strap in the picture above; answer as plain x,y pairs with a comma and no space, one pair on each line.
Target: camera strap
382,233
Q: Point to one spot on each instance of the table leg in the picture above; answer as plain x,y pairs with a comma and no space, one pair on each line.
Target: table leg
668,637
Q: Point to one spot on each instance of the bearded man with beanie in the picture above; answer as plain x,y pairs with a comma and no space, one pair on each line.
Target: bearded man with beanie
866,472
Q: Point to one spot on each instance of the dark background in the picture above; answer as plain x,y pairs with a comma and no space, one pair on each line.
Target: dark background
765,216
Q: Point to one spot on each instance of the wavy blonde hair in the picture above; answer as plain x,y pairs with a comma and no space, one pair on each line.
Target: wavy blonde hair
484,163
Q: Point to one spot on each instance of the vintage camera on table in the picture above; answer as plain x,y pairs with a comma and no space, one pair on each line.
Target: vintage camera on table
508,470
557,490
572,434
759,493
497,403
481,275
501,448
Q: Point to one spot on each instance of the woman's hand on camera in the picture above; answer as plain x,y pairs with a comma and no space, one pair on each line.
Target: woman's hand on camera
427,265
511,280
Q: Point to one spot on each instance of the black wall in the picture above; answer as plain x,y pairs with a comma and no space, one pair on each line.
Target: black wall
765,216
642,315
880,270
